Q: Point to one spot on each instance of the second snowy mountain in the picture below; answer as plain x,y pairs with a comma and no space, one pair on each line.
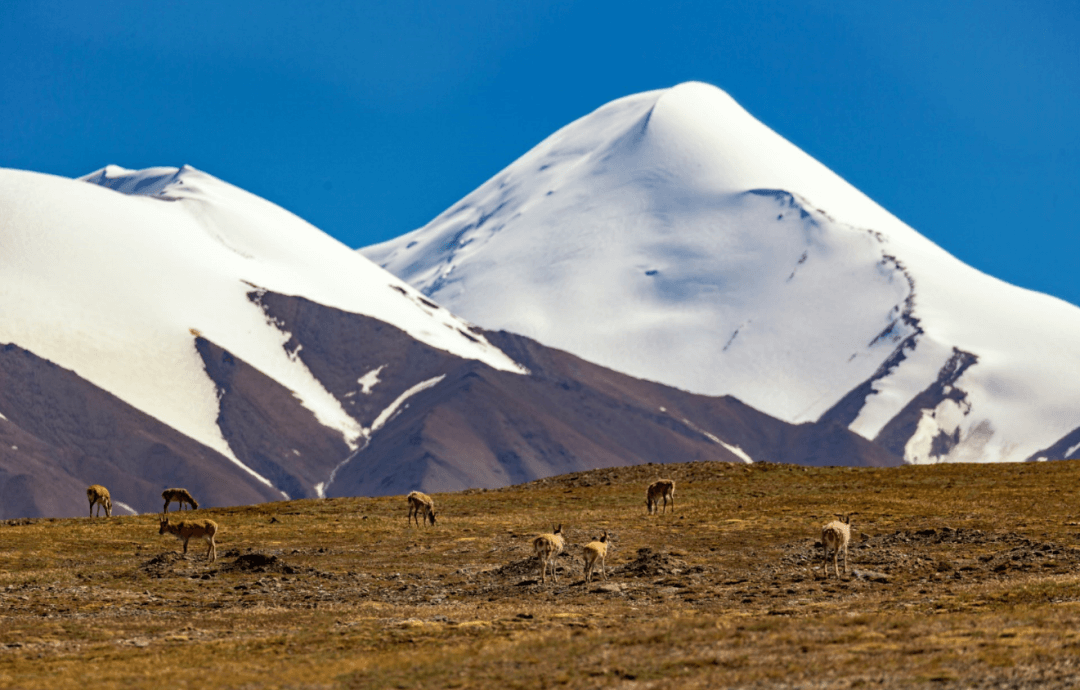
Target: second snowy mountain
671,236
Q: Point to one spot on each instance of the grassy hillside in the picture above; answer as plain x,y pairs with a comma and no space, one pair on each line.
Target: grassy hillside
963,576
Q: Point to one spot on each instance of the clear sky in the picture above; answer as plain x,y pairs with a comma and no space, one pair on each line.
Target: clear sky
368,119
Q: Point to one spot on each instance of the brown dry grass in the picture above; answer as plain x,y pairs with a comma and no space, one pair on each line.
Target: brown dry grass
964,576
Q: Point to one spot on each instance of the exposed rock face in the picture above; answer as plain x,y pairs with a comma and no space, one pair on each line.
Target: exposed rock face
928,426
478,427
430,420
1068,448
267,428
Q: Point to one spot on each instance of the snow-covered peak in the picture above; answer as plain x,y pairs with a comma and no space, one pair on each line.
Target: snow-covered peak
698,137
701,139
672,236
117,286
276,250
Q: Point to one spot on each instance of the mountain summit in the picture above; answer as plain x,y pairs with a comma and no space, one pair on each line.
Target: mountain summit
672,236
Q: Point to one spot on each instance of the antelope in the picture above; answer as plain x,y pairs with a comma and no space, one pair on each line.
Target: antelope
547,547
96,493
594,551
185,530
836,535
661,489
180,496
420,505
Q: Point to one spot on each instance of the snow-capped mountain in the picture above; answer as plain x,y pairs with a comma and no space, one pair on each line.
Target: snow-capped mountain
164,328
671,236
116,287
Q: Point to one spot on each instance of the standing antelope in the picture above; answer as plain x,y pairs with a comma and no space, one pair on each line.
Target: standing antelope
661,489
180,496
96,493
547,547
420,505
199,529
836,535
594,551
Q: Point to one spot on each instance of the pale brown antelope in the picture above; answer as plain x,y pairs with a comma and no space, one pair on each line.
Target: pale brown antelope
547,547
186,530
836,535
98,494
420,505
660,490
596,551
180,496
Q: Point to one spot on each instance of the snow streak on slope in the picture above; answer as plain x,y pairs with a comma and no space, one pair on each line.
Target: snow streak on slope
672,236
383,417
116,286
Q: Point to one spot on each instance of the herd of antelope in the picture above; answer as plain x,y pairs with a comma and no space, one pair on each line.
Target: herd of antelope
835,535
184,530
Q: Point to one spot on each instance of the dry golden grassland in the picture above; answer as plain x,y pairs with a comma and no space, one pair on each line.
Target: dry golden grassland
962,576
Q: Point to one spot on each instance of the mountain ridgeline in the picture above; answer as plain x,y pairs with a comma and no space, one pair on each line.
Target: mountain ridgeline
664,280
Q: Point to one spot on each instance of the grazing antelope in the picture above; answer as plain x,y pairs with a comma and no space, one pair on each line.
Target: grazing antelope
420,504
185,530
836,535
596,551
180,496
96,493
661,489
547,547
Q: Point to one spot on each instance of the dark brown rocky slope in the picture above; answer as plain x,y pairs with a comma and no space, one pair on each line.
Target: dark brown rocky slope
479,427
472,427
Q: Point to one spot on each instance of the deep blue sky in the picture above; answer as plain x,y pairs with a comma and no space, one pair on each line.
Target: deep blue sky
368,119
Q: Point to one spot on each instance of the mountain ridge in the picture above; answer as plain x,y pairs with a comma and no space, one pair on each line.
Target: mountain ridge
164,328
